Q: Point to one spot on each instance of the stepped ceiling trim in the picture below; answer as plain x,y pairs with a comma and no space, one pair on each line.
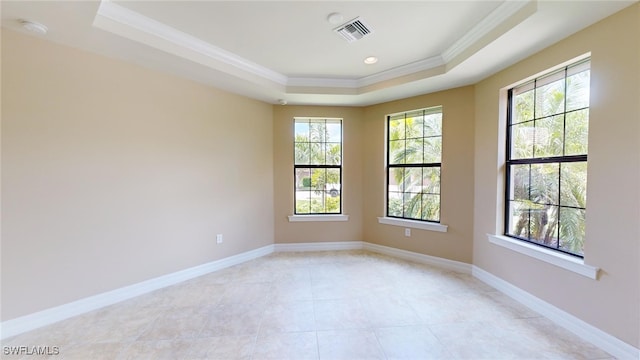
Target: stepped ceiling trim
134,26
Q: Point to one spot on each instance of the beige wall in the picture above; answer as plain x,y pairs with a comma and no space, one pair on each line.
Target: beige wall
611,303
456,177
364,177
113,174
298,232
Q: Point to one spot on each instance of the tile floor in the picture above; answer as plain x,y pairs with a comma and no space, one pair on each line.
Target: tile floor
315,305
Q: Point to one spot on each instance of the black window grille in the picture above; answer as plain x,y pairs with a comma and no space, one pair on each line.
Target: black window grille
317,166
414,152
546,159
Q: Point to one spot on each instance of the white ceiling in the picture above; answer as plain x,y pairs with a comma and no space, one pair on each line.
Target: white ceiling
271,50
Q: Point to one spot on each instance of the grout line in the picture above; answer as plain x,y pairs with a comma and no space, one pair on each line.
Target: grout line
375,333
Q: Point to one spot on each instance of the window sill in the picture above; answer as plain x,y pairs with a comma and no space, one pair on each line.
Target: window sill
337,217
566,262
413,224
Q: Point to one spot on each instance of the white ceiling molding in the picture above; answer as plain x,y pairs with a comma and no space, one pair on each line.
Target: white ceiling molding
135,21
414,67
503,12
137,27
417,66
323,82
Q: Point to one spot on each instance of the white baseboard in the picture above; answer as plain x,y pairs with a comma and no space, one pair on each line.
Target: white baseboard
361,245
49,316
419,258
614,346
320,246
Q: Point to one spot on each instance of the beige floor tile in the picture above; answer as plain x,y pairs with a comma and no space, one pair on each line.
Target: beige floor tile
288,317
294,346
477,340
213,292
416,283
223,348
106,351
339,288
158,350
289,259
62,334
384,309
247,294
551,341
147,306
287,290
331,257
246,273
238,319
340,314
298,274
179,312
173,328
343,271
220,277
507,306
463,307
349,345
484,340
114,330
410,342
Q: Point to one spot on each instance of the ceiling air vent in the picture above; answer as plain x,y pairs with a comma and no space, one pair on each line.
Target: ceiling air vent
354,30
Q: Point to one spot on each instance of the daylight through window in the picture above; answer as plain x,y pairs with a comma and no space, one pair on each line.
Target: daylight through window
414,153
546,172
318,166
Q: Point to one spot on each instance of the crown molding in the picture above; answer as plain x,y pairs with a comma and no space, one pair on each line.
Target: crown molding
323,82
408,69
484,27
139,22
176,42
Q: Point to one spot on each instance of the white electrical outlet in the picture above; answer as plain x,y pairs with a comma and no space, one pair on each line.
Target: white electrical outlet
219,238
407,232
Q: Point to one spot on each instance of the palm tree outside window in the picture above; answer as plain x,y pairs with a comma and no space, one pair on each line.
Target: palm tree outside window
317,166
414,153
546,166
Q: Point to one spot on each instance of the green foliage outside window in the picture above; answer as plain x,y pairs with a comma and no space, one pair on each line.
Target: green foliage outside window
549,126
414,157
318,166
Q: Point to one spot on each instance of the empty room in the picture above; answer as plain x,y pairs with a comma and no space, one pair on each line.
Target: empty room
320,179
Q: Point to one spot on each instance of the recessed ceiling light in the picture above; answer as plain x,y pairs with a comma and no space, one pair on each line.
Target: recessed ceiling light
370,60
335,18
34,27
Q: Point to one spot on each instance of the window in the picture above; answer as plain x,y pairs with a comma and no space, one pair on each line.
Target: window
546,167
414,153
318,166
